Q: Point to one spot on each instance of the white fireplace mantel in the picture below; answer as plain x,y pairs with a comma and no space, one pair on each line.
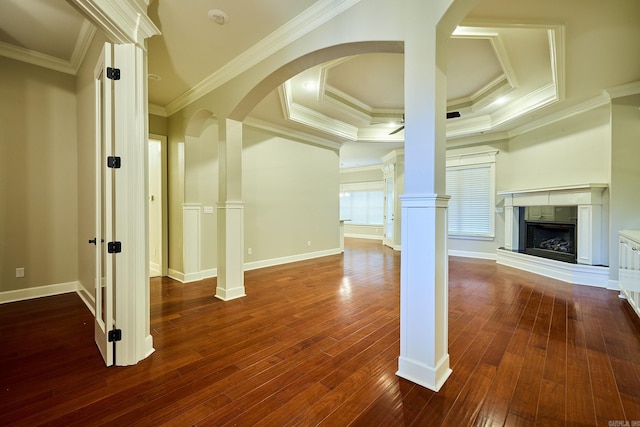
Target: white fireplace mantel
572,195
591,202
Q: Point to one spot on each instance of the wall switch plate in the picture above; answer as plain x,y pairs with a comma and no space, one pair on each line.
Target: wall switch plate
249,251
309,243
20,272
208,209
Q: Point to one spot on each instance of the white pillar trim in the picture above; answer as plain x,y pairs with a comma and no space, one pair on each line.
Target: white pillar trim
424,357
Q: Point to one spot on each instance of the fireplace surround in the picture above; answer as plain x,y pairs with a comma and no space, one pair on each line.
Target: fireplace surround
589,224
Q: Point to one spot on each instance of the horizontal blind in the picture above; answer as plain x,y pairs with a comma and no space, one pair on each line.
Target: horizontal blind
362,203
470,206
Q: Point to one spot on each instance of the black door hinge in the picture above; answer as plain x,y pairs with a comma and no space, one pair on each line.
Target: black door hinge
114,162
113,73
115,335
114,247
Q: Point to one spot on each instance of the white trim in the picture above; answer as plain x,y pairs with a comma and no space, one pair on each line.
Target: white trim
362,168
364,236
572,273
122,21
468,254
321,12
291,134
157,110
623,90
87,297
176,275
70,66
38,292
288,259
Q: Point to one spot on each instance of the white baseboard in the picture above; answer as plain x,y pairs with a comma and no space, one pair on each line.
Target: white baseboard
468,254
213,272
573,273
87,297
154,269
363,236
176,275
293,258
38,292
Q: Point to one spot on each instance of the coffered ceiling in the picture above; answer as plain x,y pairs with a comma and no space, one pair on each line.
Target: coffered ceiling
511,65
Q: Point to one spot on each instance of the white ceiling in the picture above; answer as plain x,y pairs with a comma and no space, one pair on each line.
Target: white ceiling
513,66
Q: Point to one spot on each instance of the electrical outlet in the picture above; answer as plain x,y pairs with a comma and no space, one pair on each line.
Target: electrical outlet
20,272
249,251
308,242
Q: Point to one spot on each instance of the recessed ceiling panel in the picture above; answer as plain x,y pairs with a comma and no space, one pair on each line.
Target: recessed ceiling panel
375,79
46,26
472,65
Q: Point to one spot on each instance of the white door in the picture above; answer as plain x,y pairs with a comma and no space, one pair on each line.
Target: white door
389,208
155,208
105,262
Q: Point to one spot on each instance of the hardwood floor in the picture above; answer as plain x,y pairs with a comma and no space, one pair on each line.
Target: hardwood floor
316,343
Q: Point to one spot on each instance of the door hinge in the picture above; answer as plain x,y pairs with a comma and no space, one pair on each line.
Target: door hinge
113,73
114,247
115,335
114,162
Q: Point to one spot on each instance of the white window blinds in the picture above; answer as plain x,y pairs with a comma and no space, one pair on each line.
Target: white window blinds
470,183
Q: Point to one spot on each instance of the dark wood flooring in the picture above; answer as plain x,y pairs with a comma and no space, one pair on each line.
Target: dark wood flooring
316,343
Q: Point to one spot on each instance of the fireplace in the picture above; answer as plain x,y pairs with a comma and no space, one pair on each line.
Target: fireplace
553,240
576,216
550,232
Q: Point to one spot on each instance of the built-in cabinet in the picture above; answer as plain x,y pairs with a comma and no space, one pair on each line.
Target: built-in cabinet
629,268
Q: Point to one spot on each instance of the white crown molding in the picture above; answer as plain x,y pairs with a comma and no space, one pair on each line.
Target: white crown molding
374,135
122,21
321,12
314,119
566,113
291,134
362,168
623,90
477,139
157,110
71,66
541,97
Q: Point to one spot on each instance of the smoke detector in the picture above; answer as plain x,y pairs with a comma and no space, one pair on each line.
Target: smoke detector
218,16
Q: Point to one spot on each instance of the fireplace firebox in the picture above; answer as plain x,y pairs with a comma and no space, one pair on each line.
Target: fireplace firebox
550,232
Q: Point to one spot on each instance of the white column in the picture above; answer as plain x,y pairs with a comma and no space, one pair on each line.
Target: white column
424,357
511,224
230,212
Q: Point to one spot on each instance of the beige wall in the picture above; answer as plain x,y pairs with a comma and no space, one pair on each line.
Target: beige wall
158,125
572,151
38,177
290,190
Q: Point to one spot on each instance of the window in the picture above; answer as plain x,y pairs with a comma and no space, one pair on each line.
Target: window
362,203
470,183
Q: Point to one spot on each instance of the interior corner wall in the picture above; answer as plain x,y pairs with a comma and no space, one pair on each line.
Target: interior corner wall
38,177
158,125
624,208
175,192
86,131
201,188
290,190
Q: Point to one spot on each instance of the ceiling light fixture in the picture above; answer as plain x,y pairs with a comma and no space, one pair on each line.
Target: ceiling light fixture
218,16
310,85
